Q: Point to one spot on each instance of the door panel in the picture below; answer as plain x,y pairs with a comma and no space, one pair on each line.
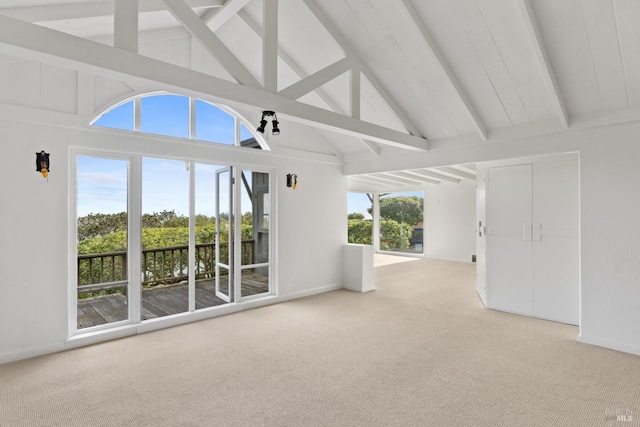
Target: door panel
556,242
509,213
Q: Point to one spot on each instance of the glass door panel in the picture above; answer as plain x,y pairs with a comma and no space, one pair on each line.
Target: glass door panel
165,238
102,241
224,234
255,217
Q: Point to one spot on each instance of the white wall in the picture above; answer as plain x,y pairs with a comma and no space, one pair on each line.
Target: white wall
34,259
449,221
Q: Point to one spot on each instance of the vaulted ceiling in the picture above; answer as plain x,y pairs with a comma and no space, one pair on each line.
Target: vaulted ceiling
399,75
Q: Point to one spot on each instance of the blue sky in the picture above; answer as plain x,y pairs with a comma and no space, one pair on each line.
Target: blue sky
102,183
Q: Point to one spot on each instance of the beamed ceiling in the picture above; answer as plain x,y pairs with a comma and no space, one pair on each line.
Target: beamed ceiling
357,80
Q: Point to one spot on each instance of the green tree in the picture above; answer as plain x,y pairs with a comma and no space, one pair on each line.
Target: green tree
394,235
360,231
355,215
402,209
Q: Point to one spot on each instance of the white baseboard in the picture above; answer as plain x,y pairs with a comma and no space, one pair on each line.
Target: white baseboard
95,337
625,348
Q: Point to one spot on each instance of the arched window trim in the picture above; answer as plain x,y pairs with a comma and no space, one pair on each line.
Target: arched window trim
238,118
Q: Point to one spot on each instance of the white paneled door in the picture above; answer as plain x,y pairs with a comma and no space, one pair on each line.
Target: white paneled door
532,240
509,249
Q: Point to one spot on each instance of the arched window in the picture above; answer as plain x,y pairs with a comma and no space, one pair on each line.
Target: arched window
182,117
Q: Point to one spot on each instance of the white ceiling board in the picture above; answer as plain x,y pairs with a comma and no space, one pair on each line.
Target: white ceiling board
627,17
375,110
449,35
484,43
505,22
601,28
247,49
402,58
565,38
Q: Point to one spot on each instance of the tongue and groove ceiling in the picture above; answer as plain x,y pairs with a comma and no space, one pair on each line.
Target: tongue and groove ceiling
443,71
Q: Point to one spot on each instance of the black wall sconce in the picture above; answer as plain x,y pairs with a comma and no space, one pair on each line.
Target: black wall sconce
292,180
43,164
274,124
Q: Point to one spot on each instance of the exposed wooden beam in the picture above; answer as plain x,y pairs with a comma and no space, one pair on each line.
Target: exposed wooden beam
548,74
68,11
216,18
125,25
433,175
346,48
199,30
317,79
456,173
270,46
35,42
430,46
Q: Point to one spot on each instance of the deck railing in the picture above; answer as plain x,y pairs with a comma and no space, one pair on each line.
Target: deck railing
161,266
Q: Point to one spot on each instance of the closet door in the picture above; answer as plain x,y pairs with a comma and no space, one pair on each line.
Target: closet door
555,241
509,210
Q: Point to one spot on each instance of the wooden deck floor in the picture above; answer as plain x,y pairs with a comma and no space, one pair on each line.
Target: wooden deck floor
160,302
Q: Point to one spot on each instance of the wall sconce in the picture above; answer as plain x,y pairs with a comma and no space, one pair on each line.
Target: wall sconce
275,130
292,180
43,164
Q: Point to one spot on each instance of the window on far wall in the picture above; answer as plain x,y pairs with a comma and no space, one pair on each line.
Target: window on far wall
401,222
360,225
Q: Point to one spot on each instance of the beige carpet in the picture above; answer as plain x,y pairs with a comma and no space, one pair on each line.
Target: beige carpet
419,351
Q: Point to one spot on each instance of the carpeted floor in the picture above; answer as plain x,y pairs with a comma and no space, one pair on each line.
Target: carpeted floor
419,351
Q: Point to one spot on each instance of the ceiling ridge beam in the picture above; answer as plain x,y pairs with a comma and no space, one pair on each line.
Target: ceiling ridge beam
533,29
199,30
66,11
440,61
30,41
216,18
333,31
317,79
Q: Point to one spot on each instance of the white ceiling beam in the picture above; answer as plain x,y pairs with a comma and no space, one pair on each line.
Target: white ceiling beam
199,30
372,147
379,181
287,59
68,11
125,25
270,46
422,179
354,95
34,42
433,175
216,18
346,48
429,44
546,68
386,176
456,173
317,79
